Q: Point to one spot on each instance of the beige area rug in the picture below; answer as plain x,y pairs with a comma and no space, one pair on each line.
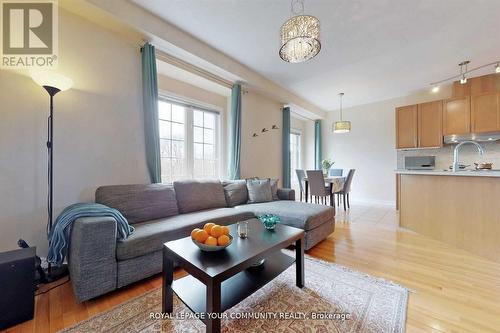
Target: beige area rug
354,301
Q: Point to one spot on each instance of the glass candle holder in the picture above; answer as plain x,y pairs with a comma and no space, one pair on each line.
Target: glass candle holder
242,229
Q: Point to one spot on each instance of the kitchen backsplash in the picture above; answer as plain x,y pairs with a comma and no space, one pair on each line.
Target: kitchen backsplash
444,156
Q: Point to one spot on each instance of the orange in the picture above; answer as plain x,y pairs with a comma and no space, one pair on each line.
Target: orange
223,240
207,227
194,232
201,236
225,230
216,231
211,241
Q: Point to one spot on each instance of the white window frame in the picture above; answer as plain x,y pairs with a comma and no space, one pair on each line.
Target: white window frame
191,105
299,134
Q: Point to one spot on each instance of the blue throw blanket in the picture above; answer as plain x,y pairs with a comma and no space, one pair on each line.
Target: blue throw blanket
59,236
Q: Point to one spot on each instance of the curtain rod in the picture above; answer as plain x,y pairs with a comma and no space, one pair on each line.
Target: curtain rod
160,55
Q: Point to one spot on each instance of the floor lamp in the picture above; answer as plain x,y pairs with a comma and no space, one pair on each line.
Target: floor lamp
53,83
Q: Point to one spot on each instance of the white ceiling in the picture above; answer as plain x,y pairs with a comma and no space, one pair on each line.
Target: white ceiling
371,49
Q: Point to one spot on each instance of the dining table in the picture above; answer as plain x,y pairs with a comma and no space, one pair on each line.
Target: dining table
335,183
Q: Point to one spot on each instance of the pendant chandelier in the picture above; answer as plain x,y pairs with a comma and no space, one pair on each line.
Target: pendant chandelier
342,126
299,35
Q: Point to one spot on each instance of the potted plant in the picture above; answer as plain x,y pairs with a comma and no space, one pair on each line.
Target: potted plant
326,164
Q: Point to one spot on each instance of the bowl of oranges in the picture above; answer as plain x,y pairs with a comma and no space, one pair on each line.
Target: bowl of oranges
212,237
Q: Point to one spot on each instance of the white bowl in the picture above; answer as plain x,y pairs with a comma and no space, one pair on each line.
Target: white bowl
212,248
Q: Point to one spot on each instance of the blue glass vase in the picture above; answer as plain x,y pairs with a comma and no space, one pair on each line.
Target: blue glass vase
269,221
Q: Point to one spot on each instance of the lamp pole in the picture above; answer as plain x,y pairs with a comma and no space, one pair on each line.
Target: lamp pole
53,83
50,152
50,162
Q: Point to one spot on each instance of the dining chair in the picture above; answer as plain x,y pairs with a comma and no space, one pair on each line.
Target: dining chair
317,186
301,174
335,172
345,190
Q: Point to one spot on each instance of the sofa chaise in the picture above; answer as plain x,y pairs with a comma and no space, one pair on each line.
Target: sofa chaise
98,263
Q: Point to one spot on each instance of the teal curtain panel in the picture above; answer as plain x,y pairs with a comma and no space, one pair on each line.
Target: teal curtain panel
150,105
286,147
235,133
317,145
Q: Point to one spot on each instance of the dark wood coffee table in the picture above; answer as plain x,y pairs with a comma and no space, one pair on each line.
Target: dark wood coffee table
220,280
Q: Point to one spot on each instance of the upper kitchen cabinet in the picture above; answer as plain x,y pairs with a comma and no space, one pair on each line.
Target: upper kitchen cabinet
406,126
430,124
476,86
456,115
485,112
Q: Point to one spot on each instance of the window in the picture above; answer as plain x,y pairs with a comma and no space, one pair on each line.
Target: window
295,157
189,141
204,139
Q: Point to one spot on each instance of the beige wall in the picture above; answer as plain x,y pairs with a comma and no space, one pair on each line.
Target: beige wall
168,84
370,146
260,156
98,130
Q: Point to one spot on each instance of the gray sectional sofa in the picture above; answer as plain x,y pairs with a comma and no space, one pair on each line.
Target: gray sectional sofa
98,263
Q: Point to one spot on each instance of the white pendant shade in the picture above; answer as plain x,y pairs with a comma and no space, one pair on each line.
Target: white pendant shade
342,126
46,78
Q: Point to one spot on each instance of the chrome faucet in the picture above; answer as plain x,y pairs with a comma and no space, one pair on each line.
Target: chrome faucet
457,148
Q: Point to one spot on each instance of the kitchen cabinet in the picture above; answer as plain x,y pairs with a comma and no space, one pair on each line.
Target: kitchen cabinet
456,115
430,125
485,113
419,126
476,86
473,108
406,126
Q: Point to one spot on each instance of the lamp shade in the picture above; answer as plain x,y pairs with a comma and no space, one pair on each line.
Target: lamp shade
342,126
47,78
300,39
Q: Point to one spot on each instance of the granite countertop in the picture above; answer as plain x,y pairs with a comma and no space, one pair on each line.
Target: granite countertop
443,172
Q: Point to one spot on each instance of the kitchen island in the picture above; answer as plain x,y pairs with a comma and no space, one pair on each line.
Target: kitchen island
459,208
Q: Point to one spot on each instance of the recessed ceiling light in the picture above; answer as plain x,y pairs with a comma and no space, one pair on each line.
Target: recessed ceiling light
435,89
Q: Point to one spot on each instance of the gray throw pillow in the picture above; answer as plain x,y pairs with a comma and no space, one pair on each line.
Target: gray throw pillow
139,203
194,195
236,192
274,189
259,190
274,186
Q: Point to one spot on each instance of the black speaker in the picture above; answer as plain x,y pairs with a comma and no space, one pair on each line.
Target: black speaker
17,286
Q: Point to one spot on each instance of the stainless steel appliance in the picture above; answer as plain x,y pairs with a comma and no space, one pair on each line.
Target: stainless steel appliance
420,162
480,137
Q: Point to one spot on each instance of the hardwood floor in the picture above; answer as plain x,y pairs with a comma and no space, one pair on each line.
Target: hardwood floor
453,291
